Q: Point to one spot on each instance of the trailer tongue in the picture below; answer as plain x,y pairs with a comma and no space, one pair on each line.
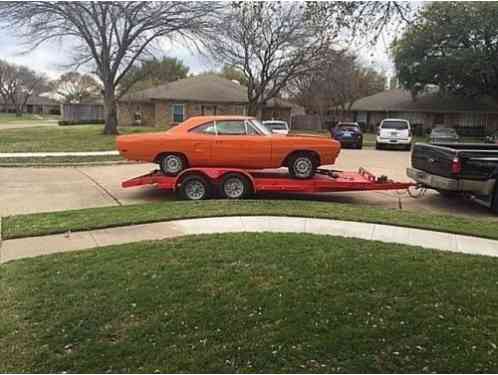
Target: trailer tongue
199,183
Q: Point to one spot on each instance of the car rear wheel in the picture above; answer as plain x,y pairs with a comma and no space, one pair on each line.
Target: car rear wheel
194,188
302,166
378,146
235,186
172,164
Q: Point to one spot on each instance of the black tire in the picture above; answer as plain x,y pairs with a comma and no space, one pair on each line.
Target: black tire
302,165
235,186
359,146
378,146
172,164
494,206
194,188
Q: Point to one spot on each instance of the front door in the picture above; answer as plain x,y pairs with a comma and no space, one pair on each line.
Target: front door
239,145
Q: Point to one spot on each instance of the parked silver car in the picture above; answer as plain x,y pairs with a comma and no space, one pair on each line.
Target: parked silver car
443,134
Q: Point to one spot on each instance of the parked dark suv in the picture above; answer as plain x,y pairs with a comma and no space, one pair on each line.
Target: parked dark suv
349,134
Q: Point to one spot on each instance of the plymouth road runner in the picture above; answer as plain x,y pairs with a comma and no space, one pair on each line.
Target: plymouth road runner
229,141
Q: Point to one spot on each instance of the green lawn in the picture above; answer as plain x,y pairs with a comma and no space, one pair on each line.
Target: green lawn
63,138
250,303
28,118
93,218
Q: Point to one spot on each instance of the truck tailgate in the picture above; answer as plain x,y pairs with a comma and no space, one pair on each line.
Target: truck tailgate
433,159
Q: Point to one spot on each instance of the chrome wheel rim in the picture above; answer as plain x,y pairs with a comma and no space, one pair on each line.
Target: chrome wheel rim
195,190
303,167
172,164
234,187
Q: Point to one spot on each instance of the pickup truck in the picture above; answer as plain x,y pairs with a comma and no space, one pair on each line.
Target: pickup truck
471,169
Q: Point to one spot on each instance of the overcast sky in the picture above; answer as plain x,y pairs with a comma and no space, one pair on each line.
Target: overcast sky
51,58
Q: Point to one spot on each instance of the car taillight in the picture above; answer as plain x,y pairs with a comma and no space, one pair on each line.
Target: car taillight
456,166
378,132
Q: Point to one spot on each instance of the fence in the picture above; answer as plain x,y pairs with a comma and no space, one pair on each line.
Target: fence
76,113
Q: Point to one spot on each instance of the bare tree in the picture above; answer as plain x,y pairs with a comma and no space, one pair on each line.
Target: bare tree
336,85
74,87
18,84
110,36
274,43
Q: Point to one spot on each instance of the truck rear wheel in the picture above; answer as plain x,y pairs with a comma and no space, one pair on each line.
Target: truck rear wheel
494,206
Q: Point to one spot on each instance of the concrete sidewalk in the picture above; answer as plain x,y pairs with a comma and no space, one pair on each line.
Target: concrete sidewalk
34,246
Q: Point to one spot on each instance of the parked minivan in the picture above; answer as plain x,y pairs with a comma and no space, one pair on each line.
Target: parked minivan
394,132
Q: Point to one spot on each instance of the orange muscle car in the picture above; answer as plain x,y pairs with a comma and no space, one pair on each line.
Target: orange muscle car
229,141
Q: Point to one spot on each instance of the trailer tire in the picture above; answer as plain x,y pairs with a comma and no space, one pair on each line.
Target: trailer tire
302,165
235,186
172,164
194,188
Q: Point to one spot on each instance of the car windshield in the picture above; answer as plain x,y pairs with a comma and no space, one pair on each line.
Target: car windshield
262,128
276,125
395,125
348,127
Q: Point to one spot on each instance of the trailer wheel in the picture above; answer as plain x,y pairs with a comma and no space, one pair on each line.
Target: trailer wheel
302,166
194,188
235,186
172,164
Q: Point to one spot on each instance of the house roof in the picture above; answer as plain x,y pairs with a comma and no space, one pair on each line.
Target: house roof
204,88
399,100
37,100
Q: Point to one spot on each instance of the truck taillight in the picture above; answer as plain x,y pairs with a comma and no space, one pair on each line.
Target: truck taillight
456,166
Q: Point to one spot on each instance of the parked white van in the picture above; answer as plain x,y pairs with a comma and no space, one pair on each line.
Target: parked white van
394,132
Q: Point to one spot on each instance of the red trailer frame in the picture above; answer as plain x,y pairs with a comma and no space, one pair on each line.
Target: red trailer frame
277,181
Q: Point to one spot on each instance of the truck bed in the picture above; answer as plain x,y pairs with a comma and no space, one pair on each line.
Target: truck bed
478,161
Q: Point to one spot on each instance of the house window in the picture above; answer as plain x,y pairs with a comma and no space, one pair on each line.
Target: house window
178,112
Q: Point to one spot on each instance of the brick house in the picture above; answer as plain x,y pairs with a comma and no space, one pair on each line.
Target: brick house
174,102
469,115
34,104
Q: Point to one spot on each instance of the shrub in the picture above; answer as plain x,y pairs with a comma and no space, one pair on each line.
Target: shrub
82,122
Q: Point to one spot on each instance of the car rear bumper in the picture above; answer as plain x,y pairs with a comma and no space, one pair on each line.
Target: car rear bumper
394,141
449,184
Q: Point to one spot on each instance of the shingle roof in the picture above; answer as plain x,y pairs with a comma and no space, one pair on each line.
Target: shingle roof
37,100
401,101
203,88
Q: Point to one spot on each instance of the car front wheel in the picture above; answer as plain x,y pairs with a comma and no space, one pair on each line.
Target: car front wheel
302,166
172,164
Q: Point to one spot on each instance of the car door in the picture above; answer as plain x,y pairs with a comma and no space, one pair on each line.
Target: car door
239,145
200,142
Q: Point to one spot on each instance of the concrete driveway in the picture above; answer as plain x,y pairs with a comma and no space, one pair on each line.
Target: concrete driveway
28,190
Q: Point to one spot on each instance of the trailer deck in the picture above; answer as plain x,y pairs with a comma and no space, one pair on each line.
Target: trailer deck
277,181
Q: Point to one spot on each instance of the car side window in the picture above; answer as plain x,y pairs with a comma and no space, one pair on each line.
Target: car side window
208,129
230,127
251,130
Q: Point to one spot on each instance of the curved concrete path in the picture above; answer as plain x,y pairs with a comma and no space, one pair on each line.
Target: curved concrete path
34,246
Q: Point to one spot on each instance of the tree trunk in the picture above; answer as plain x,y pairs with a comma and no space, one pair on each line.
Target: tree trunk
252,108
110,110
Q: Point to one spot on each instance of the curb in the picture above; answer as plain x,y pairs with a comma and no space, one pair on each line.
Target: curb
87,240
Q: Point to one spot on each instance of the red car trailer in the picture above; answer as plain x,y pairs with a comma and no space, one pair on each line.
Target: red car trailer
201,183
